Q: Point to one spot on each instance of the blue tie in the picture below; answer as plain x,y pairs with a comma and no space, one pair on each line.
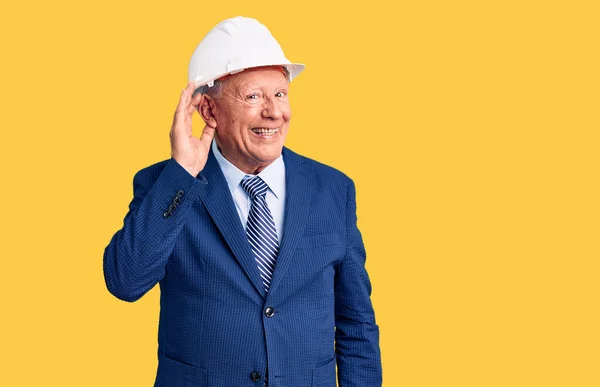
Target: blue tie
260,228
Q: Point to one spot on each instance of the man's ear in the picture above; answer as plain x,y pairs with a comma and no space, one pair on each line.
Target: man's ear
206,110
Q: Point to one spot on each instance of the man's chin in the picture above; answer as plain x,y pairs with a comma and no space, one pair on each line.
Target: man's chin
263,160
268,153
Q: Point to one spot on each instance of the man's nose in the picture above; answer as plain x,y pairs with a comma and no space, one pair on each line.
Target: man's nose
272,109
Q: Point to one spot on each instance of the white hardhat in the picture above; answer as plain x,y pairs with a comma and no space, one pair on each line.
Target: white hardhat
234,45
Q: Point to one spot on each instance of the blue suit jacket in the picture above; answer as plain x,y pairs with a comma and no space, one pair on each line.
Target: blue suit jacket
184,233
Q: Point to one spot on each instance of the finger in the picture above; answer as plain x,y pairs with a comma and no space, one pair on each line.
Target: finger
190,89
185,100
207,135
194,104
186,93
179,127
181,100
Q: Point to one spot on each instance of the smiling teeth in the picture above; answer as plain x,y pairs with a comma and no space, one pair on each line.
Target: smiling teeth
265,131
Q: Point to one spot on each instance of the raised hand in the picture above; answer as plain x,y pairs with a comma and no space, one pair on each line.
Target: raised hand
189,151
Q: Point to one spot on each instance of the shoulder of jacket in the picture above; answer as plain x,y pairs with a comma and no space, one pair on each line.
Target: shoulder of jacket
151,172
323,171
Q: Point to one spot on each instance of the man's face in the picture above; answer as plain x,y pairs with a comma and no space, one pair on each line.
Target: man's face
253,115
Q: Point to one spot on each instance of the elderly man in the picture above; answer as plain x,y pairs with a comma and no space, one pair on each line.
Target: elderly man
256,249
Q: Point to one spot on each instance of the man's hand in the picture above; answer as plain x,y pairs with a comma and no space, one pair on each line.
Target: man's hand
189,151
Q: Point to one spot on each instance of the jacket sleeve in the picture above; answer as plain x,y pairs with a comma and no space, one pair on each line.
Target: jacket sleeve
135,258
357,334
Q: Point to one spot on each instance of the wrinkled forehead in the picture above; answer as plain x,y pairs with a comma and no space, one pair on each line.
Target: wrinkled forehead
264,79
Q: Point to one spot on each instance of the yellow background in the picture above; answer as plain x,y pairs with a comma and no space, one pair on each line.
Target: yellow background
469,127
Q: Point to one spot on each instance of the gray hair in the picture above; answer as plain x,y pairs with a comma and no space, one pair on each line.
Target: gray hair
214,91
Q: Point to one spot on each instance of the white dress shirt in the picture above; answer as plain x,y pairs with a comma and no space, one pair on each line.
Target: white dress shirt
273,175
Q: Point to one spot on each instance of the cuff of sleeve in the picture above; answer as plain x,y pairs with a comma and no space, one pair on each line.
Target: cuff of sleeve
169,199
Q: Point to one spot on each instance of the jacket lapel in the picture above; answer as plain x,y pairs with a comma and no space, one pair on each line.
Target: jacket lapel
219,203
299,191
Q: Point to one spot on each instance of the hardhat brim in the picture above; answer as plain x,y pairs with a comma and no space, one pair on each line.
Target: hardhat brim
294,69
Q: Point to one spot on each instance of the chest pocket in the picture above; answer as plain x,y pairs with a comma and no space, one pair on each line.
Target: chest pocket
320,240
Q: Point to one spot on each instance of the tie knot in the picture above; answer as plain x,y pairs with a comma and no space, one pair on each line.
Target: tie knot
254,186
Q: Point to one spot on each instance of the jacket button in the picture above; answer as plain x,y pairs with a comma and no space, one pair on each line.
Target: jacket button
269,312
176,200
166,214
180,193
172,207
255,376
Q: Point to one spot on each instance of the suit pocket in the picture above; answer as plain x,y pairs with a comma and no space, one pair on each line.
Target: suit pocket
324,376
173,373
319,240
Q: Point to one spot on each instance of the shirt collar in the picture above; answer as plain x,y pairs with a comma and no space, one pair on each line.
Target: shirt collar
273,174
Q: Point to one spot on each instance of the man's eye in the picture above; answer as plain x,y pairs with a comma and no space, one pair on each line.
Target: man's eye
280,94
252,96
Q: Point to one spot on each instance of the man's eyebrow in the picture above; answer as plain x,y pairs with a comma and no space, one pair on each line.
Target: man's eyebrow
254,86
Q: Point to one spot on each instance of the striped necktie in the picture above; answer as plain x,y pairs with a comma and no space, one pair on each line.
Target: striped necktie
260,228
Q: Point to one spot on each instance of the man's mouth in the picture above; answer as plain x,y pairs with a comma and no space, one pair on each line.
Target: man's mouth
266,132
